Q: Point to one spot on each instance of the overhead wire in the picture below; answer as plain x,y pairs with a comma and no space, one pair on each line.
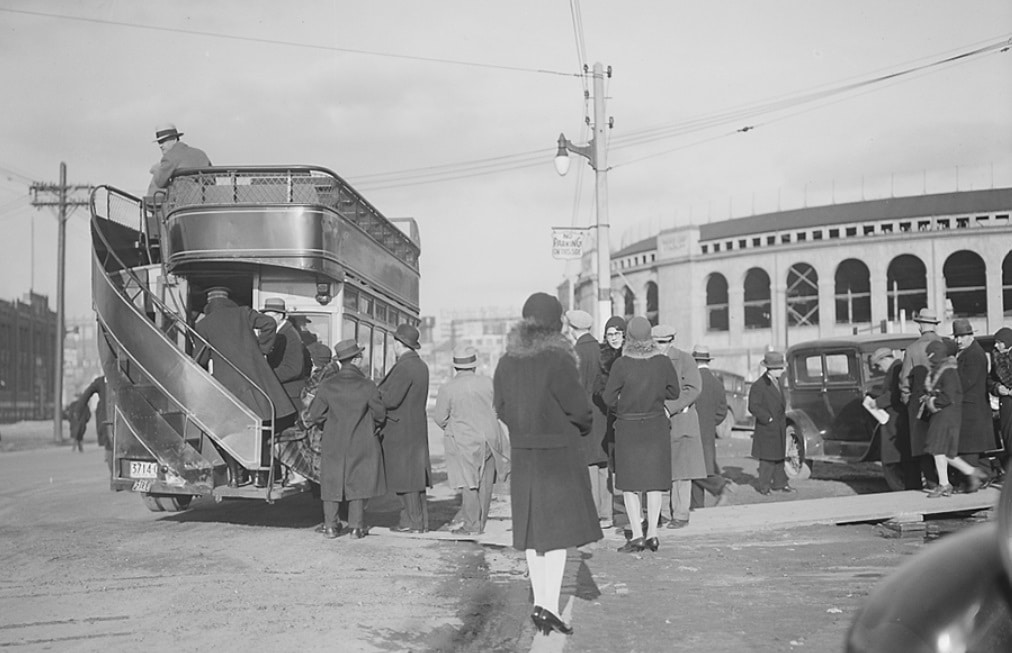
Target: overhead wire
293,44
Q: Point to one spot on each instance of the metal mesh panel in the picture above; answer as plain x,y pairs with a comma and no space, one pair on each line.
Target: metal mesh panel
296,186
116,206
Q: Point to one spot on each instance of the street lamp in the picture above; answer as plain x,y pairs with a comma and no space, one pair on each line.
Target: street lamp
597,156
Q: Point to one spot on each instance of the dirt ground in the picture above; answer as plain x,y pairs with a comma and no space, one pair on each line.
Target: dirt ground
84,569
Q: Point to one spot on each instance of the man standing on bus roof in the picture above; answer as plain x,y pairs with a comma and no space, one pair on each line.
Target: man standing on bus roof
405,391
175,155
288,356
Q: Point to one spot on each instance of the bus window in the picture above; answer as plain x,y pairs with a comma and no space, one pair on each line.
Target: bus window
350,299
391,356
379,355
313,327
349,328
365,341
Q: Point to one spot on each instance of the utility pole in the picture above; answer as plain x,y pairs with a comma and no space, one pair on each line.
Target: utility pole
58,195
596,153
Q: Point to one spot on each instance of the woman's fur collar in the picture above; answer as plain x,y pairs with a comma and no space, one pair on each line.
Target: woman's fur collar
641,349
530,339
948,363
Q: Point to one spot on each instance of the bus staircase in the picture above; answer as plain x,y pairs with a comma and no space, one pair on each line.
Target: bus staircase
172,420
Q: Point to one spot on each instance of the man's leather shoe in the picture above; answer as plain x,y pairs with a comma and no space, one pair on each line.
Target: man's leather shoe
322,526
786,488
333,533
406,529
359,533
465,531
678,523
261,479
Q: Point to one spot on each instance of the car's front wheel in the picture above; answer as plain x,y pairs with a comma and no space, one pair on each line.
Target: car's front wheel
795,464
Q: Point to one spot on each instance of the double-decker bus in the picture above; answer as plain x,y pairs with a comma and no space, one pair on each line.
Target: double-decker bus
299,233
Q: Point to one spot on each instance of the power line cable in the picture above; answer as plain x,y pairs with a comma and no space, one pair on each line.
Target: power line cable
308,46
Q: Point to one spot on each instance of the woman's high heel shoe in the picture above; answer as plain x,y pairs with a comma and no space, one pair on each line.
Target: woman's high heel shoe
538,617
652,543
552,622
633,546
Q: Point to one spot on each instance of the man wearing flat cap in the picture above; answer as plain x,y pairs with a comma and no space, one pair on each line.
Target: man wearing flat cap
903,471
687,459
476,451
405,391
239,353
976,427
175,155
577,325
913,374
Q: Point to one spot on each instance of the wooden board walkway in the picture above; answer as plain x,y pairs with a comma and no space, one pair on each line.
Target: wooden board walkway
785,513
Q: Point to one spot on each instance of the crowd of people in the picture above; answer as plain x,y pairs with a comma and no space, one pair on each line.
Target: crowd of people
938,402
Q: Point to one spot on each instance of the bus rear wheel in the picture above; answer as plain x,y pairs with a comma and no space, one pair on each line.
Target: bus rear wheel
166,502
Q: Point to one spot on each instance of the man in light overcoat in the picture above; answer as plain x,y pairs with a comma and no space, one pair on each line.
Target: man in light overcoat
687,459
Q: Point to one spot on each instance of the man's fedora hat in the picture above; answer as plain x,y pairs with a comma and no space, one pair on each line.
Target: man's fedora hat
274,305
407,335
465,358
773,359
701,353
962,327
346,350
165,131
926,316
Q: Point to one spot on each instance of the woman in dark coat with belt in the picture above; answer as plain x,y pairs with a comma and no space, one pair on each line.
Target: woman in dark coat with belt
639,383
351,458
769,438
539,397
943,401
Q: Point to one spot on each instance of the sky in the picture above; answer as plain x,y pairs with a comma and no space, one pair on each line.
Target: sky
448,111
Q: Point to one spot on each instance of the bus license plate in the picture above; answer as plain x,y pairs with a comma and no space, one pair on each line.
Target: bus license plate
142,485
140,469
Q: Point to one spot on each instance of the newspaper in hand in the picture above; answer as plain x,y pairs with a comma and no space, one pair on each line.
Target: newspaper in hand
876,412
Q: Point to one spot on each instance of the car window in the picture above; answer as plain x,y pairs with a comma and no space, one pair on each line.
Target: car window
841,368
808,369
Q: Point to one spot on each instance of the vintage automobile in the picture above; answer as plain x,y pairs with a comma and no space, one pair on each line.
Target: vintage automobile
825,383
736,391
955,595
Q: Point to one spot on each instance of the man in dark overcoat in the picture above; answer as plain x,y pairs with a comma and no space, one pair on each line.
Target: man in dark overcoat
711,408
229,329
288,356
769,439
976,430
348,405
405,391
894,435
913,374
999,383
588,352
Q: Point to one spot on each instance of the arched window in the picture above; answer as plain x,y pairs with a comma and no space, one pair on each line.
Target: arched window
716,303
853,292
630,303
1006,284
802,295
966,284
652,302
757,299
906,286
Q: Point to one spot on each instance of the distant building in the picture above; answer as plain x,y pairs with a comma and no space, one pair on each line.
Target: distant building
27,360
81,362
742,285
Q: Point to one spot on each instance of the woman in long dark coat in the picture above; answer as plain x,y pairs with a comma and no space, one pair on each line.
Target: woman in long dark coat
639,383
539,397
943,400
611,351
351,464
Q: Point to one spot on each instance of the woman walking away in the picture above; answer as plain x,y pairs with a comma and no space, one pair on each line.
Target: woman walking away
943,401
539,397
639,383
